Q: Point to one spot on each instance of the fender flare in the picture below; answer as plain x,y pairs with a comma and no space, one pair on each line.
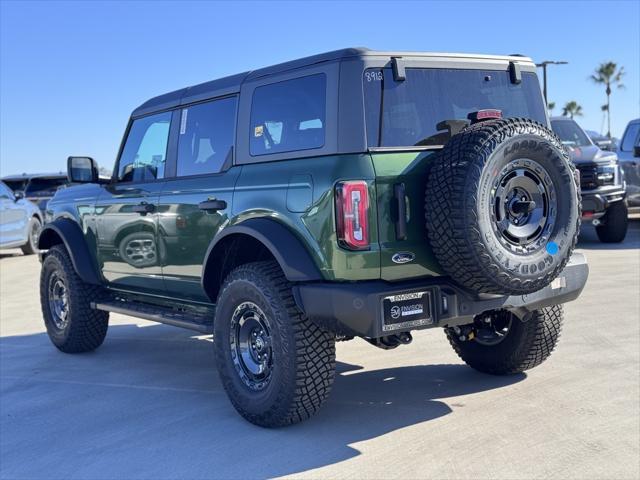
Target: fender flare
68,232
294,259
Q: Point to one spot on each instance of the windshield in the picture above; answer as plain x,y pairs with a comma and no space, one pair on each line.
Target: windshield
412,108
44,187
570,133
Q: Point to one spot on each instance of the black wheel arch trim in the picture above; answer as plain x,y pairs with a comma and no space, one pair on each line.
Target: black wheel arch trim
73,239
289,251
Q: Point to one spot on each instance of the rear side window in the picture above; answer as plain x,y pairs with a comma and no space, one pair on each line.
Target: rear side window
145,151
631,137
288,116
206,136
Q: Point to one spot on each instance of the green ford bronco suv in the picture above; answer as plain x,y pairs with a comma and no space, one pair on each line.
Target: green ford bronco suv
349,194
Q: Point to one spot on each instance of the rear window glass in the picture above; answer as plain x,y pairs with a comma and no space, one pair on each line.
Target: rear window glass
288,116
16,185
44,187
412,108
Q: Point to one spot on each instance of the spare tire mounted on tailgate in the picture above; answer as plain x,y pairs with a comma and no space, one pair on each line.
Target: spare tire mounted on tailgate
502,207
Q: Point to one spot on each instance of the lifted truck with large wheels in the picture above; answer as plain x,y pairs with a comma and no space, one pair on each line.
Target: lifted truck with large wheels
602,181
349,194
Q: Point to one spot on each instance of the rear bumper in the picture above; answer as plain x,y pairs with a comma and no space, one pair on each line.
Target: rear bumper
357,308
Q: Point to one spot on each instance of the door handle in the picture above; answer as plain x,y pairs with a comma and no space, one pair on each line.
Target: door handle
212,205
144,208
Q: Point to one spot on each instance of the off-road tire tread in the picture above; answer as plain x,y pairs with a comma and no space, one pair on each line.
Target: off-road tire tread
87,326
538,337
314,350
458,246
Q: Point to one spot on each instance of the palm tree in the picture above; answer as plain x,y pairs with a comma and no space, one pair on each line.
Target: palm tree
604,109
572,108
608,74
551,106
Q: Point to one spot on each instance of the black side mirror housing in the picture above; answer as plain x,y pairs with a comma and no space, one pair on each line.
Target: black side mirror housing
82,170
636,151
18,195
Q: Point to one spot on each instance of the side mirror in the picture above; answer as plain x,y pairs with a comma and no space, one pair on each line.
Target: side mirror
636,151
82,170
18,195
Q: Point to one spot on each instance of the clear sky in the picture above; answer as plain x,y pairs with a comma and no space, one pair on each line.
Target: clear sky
71,72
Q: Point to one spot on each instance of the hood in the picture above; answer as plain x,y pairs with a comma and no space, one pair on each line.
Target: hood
590,154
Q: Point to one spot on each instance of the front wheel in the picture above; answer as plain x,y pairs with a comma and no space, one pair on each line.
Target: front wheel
73,326
31,247
276,366
615,225
503,344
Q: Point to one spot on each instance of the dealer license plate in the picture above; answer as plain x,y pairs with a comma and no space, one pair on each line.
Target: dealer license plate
406,310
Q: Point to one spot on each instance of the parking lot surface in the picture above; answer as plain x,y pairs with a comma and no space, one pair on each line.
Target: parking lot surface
148,403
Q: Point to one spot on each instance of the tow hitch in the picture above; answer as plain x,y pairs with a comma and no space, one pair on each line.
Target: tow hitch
489,328
391,341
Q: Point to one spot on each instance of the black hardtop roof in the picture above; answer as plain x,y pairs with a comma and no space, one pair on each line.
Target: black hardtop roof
231,84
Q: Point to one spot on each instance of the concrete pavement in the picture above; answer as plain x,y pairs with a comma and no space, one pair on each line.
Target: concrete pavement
148,403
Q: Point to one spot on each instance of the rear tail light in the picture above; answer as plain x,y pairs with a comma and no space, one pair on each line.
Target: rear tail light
352,214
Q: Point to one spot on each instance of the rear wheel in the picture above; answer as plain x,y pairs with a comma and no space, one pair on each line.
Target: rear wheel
31,247
616,221
502,344
73,326
276,366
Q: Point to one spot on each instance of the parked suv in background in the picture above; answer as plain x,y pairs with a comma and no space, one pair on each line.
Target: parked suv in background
601,180
20,221
36,187
353,193
629,158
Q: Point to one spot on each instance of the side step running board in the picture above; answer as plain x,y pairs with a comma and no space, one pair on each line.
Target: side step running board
170,317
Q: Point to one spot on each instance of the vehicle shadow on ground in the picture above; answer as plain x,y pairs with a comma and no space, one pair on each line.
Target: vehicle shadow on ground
148,404
588,239
10,253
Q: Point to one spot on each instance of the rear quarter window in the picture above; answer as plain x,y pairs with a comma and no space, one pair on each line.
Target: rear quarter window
288,116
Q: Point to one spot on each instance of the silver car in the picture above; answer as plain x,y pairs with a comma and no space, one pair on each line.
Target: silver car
629,158
20,221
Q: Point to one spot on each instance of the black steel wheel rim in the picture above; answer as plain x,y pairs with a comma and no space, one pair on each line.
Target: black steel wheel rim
523,206
58,301
251,348
491,329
